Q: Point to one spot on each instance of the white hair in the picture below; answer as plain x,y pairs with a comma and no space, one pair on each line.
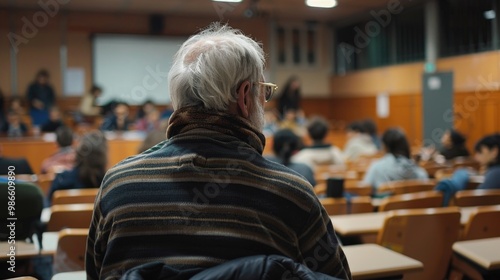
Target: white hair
209,67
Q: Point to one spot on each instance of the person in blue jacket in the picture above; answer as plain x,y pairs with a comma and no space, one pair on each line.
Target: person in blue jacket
488,155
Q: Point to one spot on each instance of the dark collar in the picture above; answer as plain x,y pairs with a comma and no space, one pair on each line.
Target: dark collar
189,118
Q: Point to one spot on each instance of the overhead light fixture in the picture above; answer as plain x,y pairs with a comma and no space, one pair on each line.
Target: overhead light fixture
232,1
321,3
489,14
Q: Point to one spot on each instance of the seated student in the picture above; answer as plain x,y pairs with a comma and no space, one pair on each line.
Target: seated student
14,127
359,143
371,129
453,145
22,166
63,159
271,122
396,163
54,122
88,106
16,105
487,154
89,166
151,121
294,120
320,153
147,106
285,144
118,121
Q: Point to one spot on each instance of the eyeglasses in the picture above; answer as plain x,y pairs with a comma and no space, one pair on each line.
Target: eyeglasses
270,89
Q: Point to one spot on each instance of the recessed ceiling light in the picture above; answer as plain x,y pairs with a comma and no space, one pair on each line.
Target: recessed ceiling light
321,3
232,1
489,14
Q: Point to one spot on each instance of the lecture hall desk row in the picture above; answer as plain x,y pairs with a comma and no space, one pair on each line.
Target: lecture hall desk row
35,150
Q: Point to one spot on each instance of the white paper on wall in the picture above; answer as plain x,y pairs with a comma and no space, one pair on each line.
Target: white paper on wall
383,105
74,84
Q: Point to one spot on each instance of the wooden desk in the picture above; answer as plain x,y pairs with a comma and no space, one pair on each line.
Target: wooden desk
371,223
35,150
368,261
483,252
74,275
28,250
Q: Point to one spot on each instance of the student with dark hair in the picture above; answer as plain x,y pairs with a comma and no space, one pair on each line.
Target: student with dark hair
320,152
487,154
41,98
89,165
371,129
359,143
396,163
14,127
285,144
453,145
64,158
290,97
54,122
88,105
119,120
147,107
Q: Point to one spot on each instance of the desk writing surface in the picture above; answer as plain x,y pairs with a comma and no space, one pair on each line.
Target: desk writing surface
370,223
368,261
355,224
26,250
484,252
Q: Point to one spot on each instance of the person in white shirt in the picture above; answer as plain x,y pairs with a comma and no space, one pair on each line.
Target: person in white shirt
396,163
320,153
359,143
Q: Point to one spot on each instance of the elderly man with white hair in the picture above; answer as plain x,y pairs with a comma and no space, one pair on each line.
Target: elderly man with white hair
206,196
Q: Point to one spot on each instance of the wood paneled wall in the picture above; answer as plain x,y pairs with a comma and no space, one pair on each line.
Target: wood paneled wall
42,50
475,113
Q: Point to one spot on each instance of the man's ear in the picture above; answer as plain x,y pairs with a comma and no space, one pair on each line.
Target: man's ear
244,96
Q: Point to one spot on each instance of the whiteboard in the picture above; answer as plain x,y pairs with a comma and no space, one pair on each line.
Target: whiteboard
133,68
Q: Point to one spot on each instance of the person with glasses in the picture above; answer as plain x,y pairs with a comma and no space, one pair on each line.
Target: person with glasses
206,195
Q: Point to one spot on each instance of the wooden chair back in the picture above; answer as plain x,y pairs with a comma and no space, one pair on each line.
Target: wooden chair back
483,223
465,162
361,204
444,173
481,197
322,173
341,206
70,252
407,186
431,168
350,186
428,199
44,182
425,235
334,206
74,196
70,216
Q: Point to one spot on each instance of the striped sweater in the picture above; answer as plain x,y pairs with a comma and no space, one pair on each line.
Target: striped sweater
203,197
